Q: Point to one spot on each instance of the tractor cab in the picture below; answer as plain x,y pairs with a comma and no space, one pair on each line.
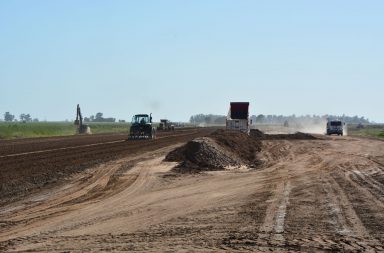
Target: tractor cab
141,119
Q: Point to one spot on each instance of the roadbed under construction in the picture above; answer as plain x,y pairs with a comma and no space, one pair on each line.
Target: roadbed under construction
103,193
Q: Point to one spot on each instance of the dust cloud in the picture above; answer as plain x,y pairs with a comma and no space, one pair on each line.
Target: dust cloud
312,128
305,126
318,126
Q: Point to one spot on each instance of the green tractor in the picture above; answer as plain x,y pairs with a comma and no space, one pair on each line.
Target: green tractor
141,128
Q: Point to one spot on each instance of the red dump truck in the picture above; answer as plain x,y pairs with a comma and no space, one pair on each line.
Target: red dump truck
238,117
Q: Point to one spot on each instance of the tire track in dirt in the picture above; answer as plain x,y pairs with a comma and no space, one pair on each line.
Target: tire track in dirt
85,192
94,185
335,199
346,220
273,227
375,187
357,175
345,217
276,212
282,210
364,203
314,209
308,197
66,203
25,173
217,198
288,161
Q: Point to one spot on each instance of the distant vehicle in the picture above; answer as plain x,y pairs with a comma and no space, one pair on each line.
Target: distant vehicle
238,117
335,127
141,127
166,125
81,127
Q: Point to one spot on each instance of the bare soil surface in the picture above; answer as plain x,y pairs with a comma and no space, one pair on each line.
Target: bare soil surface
321,195
19,146
24,172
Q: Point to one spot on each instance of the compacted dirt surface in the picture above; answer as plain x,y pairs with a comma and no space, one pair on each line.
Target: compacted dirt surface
323,194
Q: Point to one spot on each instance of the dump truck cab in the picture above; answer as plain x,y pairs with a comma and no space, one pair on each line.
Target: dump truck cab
335,127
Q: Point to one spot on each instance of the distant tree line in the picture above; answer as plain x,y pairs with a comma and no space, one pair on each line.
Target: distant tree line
8,117
315,119
207,119
99,118
26,117
278,119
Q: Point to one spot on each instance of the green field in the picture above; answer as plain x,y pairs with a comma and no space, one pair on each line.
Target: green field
367,130
46,129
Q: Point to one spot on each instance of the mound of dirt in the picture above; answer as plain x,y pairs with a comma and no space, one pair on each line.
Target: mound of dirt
204,153
257,134
295,136
218,151
243,145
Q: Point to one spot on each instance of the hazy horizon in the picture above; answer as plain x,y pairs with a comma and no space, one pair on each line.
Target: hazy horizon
176,59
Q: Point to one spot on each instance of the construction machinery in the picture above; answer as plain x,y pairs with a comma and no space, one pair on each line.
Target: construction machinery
81,127
238,117
166,125
141,127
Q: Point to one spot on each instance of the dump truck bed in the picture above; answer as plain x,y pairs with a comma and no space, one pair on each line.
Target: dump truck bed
238,117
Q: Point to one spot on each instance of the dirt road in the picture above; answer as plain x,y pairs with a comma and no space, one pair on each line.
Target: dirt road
321,195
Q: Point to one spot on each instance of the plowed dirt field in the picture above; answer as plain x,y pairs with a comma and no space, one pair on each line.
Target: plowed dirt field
102,193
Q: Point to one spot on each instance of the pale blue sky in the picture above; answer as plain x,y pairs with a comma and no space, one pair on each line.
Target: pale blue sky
178,58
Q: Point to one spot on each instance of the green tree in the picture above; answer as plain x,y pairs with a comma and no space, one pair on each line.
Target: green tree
25,117
99,117
8,116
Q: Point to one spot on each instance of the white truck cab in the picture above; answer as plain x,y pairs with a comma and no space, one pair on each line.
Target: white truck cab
335,127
